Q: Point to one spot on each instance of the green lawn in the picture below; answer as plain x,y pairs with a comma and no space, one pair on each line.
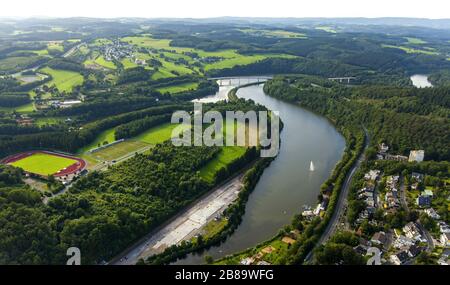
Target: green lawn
63,79
227,155
158,134
415,41
43,164
326,29
128,63
178,88
27,108
55,46
106,136
105,63
48,121
118,150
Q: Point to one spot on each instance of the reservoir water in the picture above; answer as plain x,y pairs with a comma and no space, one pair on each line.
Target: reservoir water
287,184
420,81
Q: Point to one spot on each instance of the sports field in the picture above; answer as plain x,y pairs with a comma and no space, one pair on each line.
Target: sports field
118,150
43,163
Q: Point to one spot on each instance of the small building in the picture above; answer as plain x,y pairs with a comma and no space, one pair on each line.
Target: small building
379,238
423,201
383,148
372,175
399,258
445,239
247,261
263,262
432,213
416,155
418,177
412,231
288,240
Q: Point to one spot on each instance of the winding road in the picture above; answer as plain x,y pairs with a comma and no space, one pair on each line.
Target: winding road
342,202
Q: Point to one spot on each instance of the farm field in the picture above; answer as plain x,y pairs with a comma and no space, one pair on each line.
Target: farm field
13,64
105,63
27,108
229,57
127,63
415,41
178,88
43,164
48,121
326,29
63,80
275,33
412,50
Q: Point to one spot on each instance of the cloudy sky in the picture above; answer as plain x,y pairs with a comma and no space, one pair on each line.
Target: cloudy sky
213,8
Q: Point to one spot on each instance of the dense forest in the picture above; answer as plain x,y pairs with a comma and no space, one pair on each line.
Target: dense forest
405,118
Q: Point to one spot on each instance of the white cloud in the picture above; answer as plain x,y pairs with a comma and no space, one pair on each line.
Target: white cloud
212,8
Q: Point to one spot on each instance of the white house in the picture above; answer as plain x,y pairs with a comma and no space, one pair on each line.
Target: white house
416,155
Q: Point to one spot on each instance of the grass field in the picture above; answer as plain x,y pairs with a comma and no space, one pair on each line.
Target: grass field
178,88
11,64
55,46
412,50
128,63
118,150
158,134
106,136
415,41
326,29
229,57
48,121
227,155
105,63
275,33
43,164
27,108
63,79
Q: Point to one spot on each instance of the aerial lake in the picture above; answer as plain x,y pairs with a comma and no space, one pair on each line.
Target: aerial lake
287,184
420,81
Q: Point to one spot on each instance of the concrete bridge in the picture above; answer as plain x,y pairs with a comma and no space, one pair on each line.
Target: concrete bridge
228,81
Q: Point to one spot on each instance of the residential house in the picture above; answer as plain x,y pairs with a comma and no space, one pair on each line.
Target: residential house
418,177
412,231
445,239
416,155
379,238
372,175
247,261
399,258
403,241
423,201
432,213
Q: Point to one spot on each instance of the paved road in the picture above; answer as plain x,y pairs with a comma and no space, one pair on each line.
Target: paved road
342,202
183,226
403,194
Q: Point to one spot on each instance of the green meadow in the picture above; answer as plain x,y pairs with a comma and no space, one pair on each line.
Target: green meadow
64,80
178,88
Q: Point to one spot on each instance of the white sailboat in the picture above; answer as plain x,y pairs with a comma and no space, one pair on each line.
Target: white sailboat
311,166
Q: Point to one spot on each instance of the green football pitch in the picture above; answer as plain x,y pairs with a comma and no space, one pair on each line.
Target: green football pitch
43,163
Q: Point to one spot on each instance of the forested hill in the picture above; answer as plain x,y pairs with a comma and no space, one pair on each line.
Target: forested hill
405,118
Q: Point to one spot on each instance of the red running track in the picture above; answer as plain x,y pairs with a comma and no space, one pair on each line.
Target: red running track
76,167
